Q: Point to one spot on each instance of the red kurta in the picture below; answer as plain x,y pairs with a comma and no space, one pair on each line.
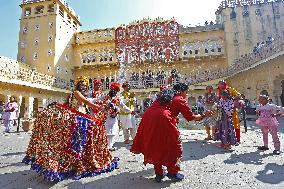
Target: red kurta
158,137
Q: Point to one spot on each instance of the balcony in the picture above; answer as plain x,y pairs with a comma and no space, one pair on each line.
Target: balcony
13,72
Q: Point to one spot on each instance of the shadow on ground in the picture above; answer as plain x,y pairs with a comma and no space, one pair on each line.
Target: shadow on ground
23,179
139,180
254,158
273,174
13,154
197,150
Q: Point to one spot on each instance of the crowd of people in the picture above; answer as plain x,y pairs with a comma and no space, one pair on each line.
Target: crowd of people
260,52
150,79
76,139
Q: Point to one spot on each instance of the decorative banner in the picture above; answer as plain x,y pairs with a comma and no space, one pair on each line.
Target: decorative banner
147,42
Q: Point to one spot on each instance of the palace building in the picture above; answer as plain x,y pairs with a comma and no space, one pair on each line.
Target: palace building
244,46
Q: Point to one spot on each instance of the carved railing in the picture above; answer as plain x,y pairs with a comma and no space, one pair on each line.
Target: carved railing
209,27
240,3
95,36
13,70
62,1
245,62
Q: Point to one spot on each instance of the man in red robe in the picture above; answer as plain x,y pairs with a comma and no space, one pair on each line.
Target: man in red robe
158,137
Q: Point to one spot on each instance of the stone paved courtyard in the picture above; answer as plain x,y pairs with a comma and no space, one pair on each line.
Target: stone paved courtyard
204,165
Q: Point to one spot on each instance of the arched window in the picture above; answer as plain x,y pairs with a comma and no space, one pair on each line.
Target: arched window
39,9
36,42
49,39
35,56
23,60
48,67
25,30
37,27
58,69
28,11
49,52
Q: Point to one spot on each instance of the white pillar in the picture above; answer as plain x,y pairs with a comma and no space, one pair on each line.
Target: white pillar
44,102
31,107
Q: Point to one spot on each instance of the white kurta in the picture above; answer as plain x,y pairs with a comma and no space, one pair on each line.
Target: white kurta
10,115
127,121
111,124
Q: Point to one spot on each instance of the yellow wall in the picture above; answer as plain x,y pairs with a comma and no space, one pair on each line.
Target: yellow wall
243,33
62,34
267,76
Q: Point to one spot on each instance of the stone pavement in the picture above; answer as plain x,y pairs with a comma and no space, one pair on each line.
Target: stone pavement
204,165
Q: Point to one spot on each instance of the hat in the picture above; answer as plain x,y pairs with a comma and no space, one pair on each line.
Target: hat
163,87
125,84
115,86
97,82
83,79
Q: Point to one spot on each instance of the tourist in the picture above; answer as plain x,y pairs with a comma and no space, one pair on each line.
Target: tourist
126,118
158,137
224,127
2,104
266,119
210,99
10,114
67,142
200,105
111,123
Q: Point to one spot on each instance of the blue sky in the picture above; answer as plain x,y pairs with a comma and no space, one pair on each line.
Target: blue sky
110,13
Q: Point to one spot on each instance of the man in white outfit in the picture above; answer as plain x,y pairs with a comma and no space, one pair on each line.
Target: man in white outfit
127,119
10,114
114,104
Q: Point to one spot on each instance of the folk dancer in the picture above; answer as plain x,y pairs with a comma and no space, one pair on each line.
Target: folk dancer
127,119
158,137
67,142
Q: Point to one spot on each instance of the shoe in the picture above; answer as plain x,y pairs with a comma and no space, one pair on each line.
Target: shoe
237,144
276,152
126,141
176,177
112,149
208,138
159,178
263,148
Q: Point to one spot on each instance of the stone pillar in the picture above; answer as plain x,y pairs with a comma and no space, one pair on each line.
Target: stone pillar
30,107
22,106
44,102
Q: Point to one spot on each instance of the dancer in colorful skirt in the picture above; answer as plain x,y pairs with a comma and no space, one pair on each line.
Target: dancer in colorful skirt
224,128
66,142
158,137
266,114
235,95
